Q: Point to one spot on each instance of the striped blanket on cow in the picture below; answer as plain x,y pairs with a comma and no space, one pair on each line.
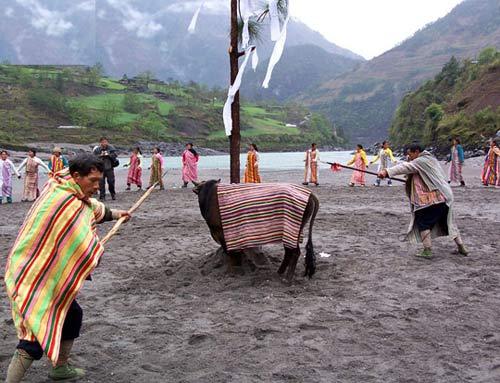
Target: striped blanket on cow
56,249
259,214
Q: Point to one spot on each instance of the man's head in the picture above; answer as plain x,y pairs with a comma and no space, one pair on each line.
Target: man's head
86,169
4,154
414,150
57,151
103,142
313,146
32,153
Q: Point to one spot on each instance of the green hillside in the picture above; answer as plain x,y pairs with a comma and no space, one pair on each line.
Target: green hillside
463,100
36,100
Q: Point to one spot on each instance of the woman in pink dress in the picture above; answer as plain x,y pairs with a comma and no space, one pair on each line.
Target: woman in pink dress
135,169
360,162
190,165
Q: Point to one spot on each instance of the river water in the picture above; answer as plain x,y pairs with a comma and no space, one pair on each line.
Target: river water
268,161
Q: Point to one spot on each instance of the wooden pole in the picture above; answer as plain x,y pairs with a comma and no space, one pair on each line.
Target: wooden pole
235,137
362,171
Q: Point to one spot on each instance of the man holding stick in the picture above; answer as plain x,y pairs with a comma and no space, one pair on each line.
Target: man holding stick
55,251
431,199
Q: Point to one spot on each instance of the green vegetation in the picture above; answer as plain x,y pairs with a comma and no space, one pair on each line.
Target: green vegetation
35,100
462,101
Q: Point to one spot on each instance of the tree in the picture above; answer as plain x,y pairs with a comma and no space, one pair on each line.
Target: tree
488,55
94,74
434,113
234,55
132,103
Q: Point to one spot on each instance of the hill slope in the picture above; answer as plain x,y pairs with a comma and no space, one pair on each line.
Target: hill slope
35,101
363,101
463,100
302,68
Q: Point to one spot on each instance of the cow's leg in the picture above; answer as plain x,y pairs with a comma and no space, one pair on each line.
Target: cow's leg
286,261
295,254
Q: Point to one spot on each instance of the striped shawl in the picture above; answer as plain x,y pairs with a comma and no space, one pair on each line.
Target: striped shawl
56,249
259,214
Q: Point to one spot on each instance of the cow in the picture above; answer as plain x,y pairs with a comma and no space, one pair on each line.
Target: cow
209,207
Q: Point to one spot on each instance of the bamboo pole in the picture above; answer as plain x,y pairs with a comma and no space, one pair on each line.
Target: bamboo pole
359,170
139,202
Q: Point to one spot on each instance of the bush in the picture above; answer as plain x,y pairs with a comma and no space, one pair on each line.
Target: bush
132,103
47,100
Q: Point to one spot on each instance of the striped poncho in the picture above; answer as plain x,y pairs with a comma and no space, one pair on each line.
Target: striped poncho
259,214
56,249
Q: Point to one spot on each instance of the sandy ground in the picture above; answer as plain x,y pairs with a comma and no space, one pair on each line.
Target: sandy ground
162,309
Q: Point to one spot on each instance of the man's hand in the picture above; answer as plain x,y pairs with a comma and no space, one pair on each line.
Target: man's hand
117,214
382,174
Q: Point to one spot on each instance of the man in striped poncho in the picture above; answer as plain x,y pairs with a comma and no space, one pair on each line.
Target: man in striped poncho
56,250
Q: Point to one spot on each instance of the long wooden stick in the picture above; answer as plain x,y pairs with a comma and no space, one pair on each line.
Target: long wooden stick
139,202
362,171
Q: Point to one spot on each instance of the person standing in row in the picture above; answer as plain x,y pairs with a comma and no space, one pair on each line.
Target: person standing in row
190,165
7,169
55,251
491,169
311,162
107,153
134,175
431,200
386,158
252,166
31,163
456,158
156,169
360,162
57,161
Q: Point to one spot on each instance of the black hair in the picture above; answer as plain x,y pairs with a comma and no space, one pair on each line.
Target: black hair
192,149
360,146
457,140
495,142
33,151
103,138
415,146
4,151
313,144
138,149
157,148
255,147
384,142
85,163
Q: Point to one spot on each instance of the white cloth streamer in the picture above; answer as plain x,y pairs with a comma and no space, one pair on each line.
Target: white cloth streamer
276,55
255,60
233,89
275,20
194,20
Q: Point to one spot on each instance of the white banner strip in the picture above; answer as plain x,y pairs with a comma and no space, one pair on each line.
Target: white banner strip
276,55
255,60
233,89
275,20
194,20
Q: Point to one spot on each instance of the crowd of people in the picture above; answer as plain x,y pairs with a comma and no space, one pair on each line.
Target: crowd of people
31,165
43,295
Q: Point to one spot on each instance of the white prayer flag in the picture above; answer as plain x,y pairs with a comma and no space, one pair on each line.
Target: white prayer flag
276,55
275,20
194,20
233,89
255,60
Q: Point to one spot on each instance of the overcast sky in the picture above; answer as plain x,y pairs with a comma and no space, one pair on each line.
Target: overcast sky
369,27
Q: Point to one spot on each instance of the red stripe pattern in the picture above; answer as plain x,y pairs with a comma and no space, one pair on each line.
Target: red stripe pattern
257,214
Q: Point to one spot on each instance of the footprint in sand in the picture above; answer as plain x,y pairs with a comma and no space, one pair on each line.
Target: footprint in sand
197,339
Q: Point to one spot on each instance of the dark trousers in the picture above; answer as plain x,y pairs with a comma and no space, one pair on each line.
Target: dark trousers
109,175
71,330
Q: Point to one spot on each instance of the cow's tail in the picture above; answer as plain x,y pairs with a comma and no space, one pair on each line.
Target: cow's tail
310,261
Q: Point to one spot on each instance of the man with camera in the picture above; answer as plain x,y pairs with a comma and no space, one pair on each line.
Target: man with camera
107,154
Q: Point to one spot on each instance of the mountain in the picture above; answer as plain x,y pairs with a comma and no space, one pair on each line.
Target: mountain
302,68
363,101
131,37
463,100
35,101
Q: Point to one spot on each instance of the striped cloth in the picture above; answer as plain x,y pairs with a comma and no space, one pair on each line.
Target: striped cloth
259,214
56,249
